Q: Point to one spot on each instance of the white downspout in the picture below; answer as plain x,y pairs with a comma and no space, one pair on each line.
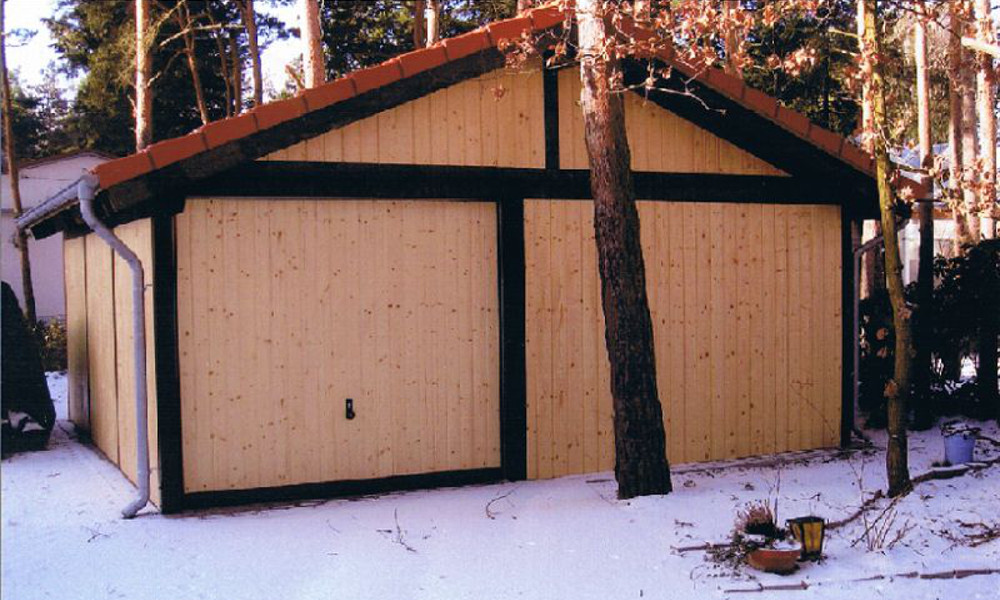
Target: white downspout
85,192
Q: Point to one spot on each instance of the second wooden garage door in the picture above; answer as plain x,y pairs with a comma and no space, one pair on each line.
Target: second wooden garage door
746,308
287,308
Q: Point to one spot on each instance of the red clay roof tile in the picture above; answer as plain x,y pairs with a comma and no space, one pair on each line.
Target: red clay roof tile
545,17
508,29
422,60
463,45
826,139
633,30
726,83
227,130
123,169
273,113
377,76
857,157
760,102
797,122
330,93
173,150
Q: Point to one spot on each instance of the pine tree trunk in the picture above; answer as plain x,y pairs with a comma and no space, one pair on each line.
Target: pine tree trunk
925,277
250,24
898,390
237,62
227,79
143,73
185,24
728,7
956,127
986,375
640,449
419,25
312,40
874,260
970,144
433,14
866,105
20,239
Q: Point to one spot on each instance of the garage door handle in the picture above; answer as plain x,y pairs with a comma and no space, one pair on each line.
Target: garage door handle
349,408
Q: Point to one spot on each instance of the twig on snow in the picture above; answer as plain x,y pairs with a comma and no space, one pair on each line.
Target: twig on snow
399,533
489,513
706,546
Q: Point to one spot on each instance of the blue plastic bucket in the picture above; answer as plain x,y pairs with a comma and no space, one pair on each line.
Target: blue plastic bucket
958,447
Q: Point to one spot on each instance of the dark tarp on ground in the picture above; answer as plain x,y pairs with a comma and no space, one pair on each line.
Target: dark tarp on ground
24,389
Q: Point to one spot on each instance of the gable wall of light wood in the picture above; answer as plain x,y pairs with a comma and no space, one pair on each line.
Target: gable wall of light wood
495,120
659,140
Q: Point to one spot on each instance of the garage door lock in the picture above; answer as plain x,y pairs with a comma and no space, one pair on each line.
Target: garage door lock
349,408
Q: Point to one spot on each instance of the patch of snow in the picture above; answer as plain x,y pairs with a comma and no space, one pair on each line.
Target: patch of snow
57,382
62,536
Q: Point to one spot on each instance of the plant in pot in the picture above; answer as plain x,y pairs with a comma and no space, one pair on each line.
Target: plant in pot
758,541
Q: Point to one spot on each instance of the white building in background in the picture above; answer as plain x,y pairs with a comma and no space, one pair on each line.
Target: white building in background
40,179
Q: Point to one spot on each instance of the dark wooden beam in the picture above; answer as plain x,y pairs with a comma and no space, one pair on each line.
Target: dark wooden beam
296,179
334,489
846,327
513,366
168,388
550,91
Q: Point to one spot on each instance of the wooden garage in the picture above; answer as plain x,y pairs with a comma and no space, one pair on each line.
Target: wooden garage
390,281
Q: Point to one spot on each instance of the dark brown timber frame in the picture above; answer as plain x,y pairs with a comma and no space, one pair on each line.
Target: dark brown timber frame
168,387
847,326
231,171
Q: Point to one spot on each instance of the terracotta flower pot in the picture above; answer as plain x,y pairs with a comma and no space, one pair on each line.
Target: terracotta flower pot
774,561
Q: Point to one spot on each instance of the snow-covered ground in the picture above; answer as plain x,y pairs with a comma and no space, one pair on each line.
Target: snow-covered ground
62,536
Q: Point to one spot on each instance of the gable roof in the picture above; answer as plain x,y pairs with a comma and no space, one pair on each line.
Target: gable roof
168,165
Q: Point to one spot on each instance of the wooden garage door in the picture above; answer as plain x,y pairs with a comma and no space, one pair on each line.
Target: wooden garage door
287,308
746,308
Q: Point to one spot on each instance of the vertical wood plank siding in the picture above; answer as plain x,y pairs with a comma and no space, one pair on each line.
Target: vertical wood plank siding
75,279
498,120
287,308
494,120
101,342
105,336
659,140
747,330
137,235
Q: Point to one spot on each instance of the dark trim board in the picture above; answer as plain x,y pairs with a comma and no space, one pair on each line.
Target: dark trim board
513,366
305,179
847,326
550,99
168,389
340,489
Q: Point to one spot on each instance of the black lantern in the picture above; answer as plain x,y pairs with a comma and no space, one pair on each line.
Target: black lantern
809,532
